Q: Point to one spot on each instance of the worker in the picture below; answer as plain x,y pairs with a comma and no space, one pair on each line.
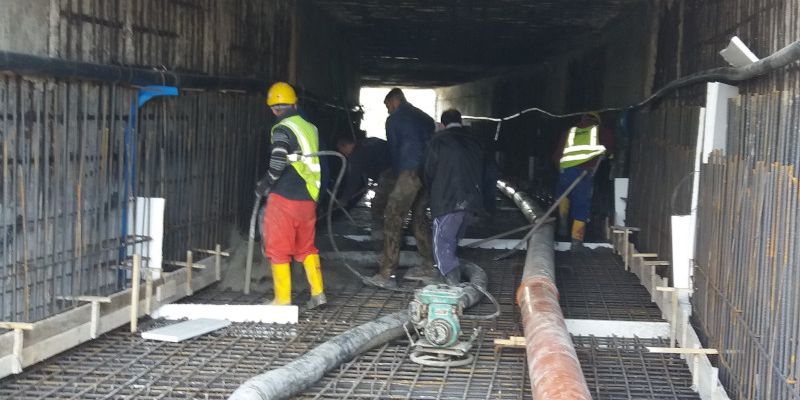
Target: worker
367,159
408,130
292,184
453,174
579,150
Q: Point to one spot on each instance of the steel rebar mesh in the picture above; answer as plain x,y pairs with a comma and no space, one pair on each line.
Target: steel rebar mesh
69,156
121,365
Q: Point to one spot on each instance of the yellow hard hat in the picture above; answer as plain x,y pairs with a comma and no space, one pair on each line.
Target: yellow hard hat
595,115
281,93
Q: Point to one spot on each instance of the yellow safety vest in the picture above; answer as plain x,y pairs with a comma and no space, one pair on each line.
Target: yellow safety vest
581,146
307,167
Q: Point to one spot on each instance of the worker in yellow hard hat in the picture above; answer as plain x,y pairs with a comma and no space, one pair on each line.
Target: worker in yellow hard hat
579,150
292,184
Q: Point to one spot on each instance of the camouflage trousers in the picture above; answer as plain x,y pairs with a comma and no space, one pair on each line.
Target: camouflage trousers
407,194
386,182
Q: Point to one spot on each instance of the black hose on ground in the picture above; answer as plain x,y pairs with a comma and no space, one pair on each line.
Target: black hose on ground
309,368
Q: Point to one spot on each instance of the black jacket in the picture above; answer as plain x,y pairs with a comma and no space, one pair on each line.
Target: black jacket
454,172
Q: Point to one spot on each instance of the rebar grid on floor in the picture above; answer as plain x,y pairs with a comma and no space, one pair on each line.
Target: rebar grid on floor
621,368
594,285
123,366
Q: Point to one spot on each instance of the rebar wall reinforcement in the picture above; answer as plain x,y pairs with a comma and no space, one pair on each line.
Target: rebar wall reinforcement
745,302
69,152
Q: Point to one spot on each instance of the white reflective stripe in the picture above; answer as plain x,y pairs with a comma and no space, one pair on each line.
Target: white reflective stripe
318,183
313,164
593,136
571,147
571,137
584,147
582,156
304,145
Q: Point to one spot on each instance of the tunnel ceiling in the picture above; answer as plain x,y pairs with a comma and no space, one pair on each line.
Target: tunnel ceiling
445,42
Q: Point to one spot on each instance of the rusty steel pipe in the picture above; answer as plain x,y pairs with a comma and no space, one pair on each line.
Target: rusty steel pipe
553,365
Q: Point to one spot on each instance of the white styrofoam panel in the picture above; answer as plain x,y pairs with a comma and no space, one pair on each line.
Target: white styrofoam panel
146,218
597,327
566,246
185,330
682,253
496,244
737,54
716,124
620,200
231,312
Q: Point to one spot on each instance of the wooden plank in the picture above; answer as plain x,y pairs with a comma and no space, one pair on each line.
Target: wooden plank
644,255
515,342
26,326
99,299
185,330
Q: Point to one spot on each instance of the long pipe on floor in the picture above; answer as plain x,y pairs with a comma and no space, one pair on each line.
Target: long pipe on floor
553,365
309,368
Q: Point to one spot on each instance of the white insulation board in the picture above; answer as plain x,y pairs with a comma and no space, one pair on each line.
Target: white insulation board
185,330
230,312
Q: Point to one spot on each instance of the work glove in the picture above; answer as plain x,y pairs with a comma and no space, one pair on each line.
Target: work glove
262,187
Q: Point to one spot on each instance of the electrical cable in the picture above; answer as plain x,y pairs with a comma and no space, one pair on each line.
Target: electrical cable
779,59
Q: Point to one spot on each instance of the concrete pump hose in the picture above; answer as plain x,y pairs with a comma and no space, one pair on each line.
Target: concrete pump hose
292,378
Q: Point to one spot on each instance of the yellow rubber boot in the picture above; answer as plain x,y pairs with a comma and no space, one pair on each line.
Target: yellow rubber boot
314,275
563,217
282,281
578,231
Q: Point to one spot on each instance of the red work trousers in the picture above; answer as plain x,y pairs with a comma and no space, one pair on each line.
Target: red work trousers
289,229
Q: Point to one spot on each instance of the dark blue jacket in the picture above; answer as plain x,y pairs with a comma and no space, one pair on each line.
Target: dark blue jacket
408,130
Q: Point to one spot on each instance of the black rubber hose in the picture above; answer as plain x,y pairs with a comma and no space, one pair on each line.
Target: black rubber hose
309,368
779,59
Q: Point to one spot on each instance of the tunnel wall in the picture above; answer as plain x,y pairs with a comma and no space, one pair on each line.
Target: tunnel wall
234,37
70,154
745,303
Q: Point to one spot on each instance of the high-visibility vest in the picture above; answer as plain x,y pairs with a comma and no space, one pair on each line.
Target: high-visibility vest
307,167
581,146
